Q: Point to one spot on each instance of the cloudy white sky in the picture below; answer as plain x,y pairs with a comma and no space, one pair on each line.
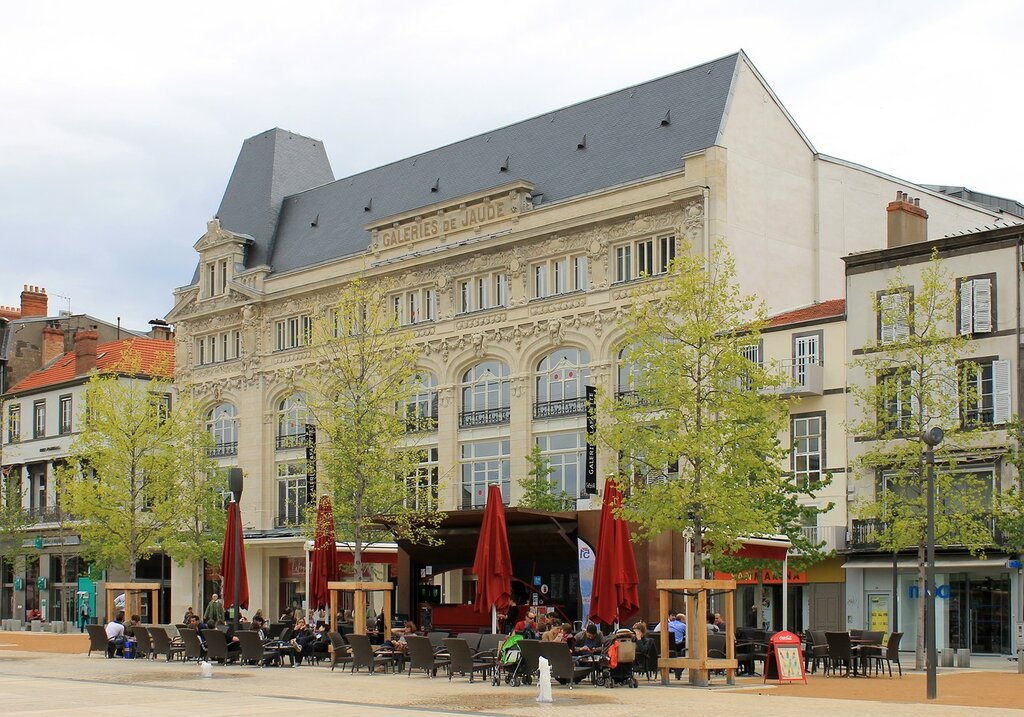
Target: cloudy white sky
120,122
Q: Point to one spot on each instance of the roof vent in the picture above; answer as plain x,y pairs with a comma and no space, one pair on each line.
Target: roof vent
537,197
667,119
369,205
504,166
437,185
315,221
582,144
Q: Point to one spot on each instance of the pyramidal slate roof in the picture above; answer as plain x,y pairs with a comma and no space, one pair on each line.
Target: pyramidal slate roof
283,194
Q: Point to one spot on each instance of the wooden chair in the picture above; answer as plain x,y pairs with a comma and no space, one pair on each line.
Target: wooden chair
463,661
162,644
562,667
422,657
97,640
341,653
363,655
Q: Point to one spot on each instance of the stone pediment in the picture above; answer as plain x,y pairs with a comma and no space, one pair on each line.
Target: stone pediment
217,236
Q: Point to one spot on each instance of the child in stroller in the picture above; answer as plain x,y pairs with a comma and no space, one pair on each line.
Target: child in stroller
509,658
617,660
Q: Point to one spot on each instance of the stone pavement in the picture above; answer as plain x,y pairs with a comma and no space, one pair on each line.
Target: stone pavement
37,683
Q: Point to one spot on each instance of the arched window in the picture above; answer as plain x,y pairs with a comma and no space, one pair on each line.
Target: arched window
292,417
421,406
630,376
222,423
485,394
562,377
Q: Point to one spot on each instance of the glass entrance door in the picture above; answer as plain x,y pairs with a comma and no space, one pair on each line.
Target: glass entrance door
979,612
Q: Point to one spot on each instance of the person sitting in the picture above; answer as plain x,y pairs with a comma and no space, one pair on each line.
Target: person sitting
553,632
719,622
677,631
591,644
189,613
567,636
133,622
527,627
115,634
287,616
712,628
302,641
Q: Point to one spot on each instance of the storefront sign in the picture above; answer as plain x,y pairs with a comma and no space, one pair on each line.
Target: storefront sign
447,222
310,463
943,592
586,568
784,661
590,475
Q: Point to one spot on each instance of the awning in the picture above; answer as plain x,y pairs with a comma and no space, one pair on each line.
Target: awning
904,563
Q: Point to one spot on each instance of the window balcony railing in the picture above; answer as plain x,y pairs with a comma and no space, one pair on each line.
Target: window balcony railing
288,520
800,378
292,440
223,449
978,417
829,537
487,417
631,399
561,407
45,514
421,424
863,534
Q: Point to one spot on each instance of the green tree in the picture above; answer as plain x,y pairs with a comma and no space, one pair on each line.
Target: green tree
911,382
697,402
122,482
14,521
357,387
540,492
1010,504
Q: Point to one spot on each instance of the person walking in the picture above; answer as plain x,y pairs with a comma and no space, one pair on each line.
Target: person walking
214,611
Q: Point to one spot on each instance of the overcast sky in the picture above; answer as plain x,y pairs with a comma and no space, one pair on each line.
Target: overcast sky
121,121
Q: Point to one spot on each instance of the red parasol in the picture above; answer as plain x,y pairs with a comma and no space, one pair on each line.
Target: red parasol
493,564
234,545
615,593
324,560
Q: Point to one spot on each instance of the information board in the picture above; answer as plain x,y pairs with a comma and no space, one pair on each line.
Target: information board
785,659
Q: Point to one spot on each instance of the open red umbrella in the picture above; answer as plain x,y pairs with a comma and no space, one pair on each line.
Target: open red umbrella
234,552
324,560
493,564
615,593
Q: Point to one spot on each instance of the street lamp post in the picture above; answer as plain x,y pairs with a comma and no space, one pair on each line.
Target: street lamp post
931,438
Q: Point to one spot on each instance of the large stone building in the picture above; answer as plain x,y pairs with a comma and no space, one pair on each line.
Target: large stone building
514,251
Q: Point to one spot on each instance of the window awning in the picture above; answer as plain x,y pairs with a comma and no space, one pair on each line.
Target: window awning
907,563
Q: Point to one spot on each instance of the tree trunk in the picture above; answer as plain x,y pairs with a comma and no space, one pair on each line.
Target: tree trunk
921,575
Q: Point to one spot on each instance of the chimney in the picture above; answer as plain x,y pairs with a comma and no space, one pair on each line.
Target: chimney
161,330
85,351
53,343
33,301
907,222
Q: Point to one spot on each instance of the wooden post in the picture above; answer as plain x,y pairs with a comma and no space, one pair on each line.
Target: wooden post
359,619
663,601
387,614
155,602
730,637
334,610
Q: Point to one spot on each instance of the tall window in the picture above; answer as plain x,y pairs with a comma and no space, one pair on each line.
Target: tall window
976,310
14,423
540,281
292,417
483,463
630,376
894,316
480,293
39,418
897,402
216,277
806,352
808,445
985,399
561,378
293,332
215,348
561,275
644,257
291,492
222,423
64,414
421,406
564,453
423,483
485,394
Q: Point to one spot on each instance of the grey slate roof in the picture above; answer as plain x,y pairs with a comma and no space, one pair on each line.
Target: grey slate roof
625,141
988,201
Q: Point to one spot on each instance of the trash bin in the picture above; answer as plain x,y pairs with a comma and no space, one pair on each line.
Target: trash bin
946,657
128,651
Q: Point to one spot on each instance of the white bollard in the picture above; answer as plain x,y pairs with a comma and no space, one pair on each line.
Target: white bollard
545,681
205,669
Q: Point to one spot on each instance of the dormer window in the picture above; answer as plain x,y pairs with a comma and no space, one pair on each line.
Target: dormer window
216,278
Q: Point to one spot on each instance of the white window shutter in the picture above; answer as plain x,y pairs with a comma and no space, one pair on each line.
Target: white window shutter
966,307
887,311
982,305
1000,392
951,397
915,404
901,327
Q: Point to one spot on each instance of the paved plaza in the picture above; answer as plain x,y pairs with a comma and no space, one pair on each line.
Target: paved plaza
33,682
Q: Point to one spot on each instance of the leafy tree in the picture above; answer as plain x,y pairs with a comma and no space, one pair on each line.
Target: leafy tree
1010,505
14,521
540,492
910,383
357,388
123,480
698,403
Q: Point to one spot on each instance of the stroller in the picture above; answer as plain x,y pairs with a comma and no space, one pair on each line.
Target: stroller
617,661
509,657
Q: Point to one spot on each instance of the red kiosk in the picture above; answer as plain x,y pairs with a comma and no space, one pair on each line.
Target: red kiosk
785,659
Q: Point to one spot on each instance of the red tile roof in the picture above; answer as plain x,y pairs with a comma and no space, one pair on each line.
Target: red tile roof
155,355
815,312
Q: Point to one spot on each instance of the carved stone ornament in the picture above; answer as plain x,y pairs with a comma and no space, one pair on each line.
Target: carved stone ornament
693,222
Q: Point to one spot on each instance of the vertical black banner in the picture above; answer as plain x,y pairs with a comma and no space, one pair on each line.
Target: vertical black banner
310,463
590,476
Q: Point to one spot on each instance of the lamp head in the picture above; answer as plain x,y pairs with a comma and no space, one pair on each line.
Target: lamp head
235,482
933,436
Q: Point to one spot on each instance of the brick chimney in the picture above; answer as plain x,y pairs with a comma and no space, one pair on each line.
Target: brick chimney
53,343
161,330
33,301
908,223
85,351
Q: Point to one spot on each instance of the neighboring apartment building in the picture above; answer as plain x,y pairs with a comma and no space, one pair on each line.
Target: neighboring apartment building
513,253
42,413
979,598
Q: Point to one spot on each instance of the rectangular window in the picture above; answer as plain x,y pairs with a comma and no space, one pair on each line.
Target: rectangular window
200,352
623,263
752,353
985,399
579,273
540,281
667,245
975,309
806,352
897,403
483,293
211,279
564,453
64,414
894,316
422,485
14,423
238,344
484,463
225,347
807,433
222,286
414,308
561,276
291,492
292,332
39,419
501,290
431,305
465,297
645,258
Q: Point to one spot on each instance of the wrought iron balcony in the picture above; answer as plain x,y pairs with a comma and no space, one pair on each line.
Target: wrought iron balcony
45,514
223,449
863,534
561,407
487,417
292,440
421,424
631,399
